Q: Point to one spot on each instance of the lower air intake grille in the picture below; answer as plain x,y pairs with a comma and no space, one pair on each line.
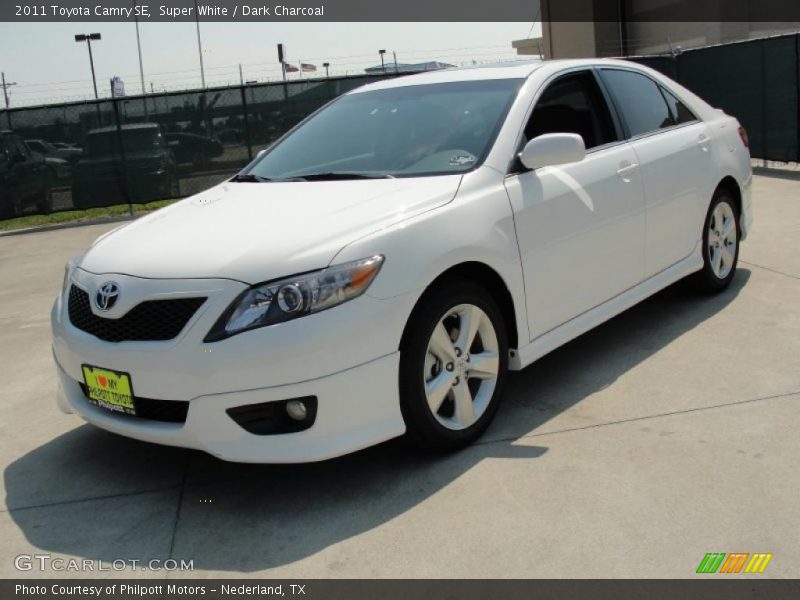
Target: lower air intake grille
166,411
154,320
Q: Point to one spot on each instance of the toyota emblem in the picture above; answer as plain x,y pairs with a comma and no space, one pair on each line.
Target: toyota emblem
107,295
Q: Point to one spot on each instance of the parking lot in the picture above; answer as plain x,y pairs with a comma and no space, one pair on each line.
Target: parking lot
669,432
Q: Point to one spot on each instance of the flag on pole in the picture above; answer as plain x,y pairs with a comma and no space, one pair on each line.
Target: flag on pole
308,67
290,68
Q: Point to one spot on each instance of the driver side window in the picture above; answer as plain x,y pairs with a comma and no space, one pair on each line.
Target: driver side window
573,103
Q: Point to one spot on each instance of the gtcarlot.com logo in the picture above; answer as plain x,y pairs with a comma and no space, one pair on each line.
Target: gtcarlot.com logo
47,562
735,562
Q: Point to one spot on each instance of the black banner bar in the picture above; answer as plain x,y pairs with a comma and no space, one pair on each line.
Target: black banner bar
713,588
773,11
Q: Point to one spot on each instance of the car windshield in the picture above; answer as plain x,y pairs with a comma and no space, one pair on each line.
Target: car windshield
406,131
135,140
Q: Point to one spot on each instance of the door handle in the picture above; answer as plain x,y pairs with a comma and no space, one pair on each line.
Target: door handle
626,168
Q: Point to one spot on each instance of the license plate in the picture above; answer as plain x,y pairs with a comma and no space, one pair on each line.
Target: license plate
108,389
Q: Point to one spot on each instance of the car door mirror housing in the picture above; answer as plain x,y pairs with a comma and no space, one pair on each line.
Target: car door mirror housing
552,149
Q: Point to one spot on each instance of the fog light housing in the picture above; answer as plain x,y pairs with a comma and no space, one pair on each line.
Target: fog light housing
276,417
297,410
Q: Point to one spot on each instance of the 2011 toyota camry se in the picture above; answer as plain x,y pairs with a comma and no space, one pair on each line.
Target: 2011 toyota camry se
380,268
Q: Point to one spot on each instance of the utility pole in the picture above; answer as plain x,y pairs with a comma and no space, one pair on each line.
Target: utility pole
139,47
241,77
7,85
394,54
199,46
88,37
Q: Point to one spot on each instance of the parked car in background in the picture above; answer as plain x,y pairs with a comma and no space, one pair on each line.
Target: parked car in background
58,169
148,171
192,148
230,136
24,178
379,269
50,150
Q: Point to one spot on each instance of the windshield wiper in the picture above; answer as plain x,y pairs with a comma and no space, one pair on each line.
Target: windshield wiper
249,178
334,176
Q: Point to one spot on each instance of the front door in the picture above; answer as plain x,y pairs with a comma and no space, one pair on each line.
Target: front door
580,226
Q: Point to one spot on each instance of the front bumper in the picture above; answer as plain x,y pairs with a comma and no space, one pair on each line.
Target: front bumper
357,408
346,356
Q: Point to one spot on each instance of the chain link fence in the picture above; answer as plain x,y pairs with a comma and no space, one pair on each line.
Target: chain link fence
139,149
167,145
757,81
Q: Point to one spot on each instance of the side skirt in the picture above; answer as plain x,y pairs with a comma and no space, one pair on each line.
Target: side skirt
547,342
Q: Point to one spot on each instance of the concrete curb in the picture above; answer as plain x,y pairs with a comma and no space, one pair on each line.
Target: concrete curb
68,225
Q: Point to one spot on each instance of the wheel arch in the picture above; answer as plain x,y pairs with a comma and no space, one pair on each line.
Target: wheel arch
490,280
729,184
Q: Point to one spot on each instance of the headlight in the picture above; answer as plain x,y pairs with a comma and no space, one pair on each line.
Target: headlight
294,297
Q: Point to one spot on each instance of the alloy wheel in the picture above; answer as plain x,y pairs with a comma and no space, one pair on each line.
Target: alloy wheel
461,366
722,240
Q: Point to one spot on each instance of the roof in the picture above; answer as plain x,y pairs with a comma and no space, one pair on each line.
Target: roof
128,127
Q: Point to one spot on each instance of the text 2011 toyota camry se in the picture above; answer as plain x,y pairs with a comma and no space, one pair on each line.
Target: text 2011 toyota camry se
380,268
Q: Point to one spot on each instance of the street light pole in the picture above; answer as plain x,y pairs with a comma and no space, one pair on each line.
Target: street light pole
383,66
199,46
88,37
139,47
326,65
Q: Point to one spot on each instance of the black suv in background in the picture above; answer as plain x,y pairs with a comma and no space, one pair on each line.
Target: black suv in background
24,180
149,167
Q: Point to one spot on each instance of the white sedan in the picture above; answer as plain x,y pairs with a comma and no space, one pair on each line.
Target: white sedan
379,269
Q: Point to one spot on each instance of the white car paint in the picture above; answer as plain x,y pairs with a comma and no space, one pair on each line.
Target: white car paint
575,244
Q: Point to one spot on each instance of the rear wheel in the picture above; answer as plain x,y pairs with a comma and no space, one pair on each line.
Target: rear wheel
45,203
453,365
720,244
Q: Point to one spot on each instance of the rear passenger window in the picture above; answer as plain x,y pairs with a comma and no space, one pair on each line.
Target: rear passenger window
639,100
680,112
573,104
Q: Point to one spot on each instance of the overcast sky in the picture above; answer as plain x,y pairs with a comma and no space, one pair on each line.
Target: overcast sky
49,66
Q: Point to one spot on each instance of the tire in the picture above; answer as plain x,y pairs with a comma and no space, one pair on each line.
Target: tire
45,204
434,368
720,244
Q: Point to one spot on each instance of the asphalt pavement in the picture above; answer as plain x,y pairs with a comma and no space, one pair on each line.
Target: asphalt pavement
668,432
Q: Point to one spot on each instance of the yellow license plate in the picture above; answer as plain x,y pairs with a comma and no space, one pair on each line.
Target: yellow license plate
109,389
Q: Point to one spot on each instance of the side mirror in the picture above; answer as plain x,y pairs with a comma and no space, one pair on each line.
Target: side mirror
553,149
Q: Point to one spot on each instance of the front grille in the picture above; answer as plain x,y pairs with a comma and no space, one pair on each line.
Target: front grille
154,320
166,411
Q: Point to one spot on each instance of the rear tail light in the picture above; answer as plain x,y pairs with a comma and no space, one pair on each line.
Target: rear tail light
743,135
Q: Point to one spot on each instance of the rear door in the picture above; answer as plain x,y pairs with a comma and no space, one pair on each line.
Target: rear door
673,149
580,226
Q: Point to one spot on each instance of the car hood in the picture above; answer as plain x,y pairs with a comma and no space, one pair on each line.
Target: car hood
255,232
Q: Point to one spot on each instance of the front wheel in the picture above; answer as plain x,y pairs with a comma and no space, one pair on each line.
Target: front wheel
720,244
45,204
453,365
